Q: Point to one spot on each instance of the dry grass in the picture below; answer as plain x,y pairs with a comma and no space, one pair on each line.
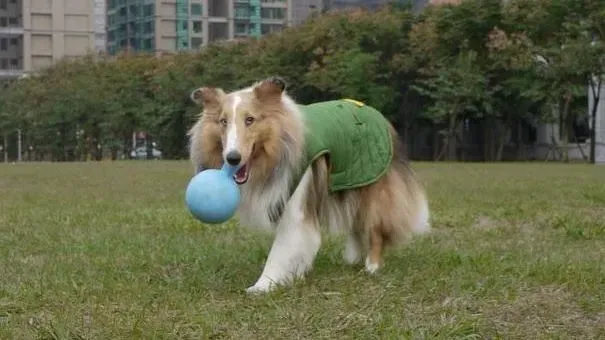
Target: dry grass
109,251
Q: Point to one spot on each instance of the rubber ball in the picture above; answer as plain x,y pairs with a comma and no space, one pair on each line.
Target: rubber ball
212,195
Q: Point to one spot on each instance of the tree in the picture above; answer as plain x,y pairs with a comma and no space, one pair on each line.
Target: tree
459,90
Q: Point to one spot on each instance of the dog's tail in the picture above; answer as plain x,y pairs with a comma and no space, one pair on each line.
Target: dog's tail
411,195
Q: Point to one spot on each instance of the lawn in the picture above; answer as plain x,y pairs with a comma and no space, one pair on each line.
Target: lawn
109,251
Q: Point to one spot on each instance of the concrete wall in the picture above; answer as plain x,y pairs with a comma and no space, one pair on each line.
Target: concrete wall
56,29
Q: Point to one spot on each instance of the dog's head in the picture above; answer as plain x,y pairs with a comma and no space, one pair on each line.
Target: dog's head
248,125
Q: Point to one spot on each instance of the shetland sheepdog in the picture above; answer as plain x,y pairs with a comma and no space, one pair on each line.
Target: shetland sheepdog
261,129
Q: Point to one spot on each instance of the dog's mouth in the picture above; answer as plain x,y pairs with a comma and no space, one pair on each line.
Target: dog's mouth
241,176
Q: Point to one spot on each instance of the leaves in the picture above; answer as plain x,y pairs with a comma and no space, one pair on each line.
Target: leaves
482,60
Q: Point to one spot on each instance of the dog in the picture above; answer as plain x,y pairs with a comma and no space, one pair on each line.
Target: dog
354,180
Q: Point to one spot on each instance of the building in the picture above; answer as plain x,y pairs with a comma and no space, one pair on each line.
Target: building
163,26
303,9
34,34
100,25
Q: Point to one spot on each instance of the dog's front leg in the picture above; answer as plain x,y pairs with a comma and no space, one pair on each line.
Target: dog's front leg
296,243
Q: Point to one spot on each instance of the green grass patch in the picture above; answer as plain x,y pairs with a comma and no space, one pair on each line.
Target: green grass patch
109,251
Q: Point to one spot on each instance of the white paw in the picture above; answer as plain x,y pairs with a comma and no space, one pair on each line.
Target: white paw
351,255
370,266
257,289
261,287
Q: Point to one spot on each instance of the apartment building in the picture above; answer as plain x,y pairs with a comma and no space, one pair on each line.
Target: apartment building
34,34
165,26
303,9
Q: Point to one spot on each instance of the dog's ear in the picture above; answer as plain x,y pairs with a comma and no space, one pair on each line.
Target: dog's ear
270,88
209,97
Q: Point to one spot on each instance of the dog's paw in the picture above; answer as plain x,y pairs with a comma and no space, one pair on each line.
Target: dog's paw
258,289
371,267
261,286
351,256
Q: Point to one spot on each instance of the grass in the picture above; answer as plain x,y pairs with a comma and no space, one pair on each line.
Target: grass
109,251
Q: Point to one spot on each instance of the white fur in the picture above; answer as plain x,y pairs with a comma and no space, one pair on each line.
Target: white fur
295,246
232,140
370,266
423,224
257,202
352,253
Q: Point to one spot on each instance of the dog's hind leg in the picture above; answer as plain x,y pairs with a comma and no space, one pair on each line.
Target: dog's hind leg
353,253
296,243
374,258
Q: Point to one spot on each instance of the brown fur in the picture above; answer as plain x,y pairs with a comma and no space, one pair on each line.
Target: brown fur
377,215
385,210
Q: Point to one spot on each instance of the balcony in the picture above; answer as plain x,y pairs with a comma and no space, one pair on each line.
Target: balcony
274,4
11,73
11,30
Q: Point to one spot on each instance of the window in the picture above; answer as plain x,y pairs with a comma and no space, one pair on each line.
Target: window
3,22
4,64
134,10
14,41
3,4
241,28
148,10
3,44
196,9
242,11
273,13
134,28
270,28
148,27
14,62
148,44
13,21
197,27
196,42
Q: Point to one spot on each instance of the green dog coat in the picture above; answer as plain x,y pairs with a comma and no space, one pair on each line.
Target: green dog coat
355,137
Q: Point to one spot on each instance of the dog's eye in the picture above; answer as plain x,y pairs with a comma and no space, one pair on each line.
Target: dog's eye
249,120
223,121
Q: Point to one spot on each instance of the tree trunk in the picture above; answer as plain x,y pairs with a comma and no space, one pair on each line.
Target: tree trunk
486,139
596,96
5,151
435,146
451,140
502,139
520,144
564,128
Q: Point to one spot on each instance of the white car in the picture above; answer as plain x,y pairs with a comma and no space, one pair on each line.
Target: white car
141,153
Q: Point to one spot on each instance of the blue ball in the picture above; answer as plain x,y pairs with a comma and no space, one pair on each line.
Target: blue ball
212,196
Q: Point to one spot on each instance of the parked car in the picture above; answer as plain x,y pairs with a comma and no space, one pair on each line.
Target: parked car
141,153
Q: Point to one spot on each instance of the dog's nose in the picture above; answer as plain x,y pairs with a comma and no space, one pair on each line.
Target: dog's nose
234,157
